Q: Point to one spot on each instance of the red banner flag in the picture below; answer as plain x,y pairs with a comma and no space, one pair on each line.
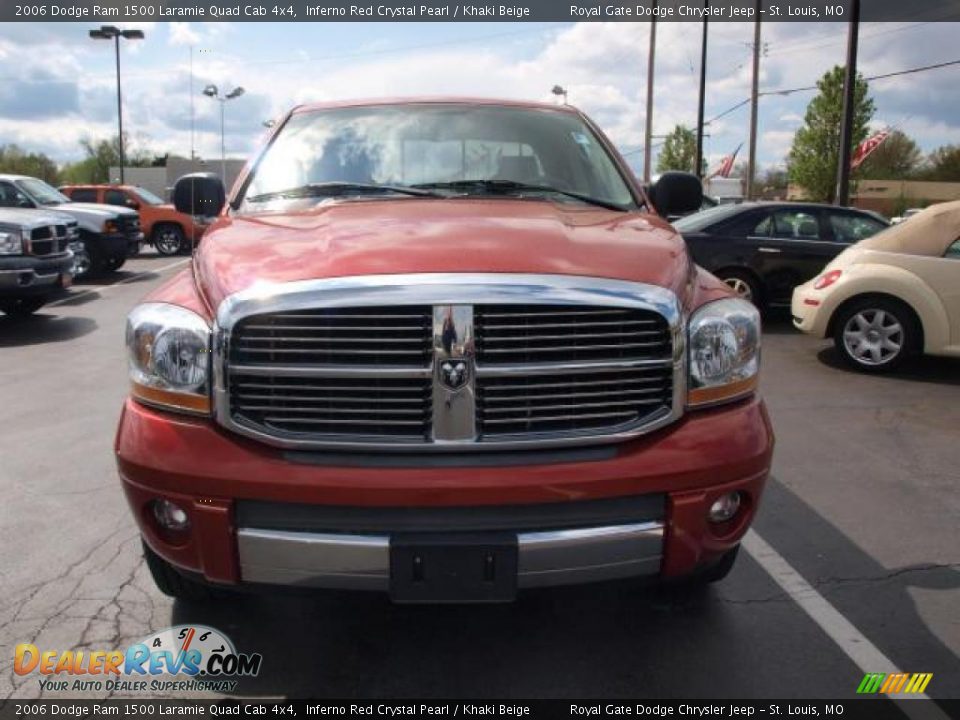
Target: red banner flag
726,165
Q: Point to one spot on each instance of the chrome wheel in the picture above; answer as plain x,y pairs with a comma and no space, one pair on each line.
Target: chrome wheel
167,241
741,287
81,263
873,337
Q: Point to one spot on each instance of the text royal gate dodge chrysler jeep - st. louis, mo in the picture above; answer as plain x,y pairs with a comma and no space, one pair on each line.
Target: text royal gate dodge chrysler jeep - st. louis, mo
444,349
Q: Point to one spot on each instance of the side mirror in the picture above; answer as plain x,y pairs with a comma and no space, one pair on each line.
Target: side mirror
199,194
24,203
132,204
676,193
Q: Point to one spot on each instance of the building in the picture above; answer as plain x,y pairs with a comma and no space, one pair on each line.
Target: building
160,180
892,197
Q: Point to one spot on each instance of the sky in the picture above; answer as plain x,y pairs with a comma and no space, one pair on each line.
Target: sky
57,86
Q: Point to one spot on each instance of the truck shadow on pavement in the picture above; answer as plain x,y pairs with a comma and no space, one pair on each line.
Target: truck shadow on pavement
610,640
41,329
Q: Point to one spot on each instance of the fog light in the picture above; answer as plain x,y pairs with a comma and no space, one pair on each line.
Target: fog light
724,507
170,516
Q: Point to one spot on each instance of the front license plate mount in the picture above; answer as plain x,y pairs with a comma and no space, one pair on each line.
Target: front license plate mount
453,567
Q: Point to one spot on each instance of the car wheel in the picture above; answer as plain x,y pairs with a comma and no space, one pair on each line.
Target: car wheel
168,240
716,573
875,334
743,284
82,263
22,307
115,263
172,583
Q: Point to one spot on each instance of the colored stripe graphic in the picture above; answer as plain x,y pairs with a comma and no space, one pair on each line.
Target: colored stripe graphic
913,683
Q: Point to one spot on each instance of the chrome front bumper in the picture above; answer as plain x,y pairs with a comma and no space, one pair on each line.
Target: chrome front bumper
362,562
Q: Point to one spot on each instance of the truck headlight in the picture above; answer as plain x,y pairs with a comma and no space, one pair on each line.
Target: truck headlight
11,242
169,350
111,227
724,347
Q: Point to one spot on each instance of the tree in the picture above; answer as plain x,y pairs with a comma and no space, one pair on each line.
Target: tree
816,146
773,184
944,164
15,160
897,158
679,151
101,155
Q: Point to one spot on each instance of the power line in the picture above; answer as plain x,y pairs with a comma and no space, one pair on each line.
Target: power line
790,91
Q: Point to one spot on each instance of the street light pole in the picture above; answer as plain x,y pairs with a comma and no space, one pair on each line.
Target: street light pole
110,32
702,98
648,130
842,196
211,91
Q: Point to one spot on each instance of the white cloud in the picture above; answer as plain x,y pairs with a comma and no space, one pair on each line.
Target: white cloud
182,34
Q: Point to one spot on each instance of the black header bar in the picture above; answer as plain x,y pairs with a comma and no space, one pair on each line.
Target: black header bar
120,11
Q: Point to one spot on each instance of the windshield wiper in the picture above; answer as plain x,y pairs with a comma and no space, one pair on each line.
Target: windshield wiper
512,186
339,189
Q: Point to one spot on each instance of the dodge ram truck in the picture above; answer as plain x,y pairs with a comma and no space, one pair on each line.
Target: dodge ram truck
443,349
108,234
36,261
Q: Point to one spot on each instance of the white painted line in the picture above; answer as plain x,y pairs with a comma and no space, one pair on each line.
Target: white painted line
103,288
855,644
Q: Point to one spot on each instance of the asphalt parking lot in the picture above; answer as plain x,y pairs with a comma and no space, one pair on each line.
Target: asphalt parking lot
863,508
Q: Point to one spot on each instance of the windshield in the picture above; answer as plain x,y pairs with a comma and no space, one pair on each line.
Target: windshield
148,197
457,149
704,218
41,192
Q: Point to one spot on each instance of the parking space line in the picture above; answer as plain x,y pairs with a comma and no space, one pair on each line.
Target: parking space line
102,288
867,656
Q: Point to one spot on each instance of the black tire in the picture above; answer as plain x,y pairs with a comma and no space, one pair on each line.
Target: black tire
168,239
22,307
875,334
115,263
744,284
96,265
718,572
172,583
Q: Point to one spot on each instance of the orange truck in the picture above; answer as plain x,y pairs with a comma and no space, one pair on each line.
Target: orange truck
169,231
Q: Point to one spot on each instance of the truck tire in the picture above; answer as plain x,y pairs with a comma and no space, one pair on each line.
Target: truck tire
172,583
115,263
168,239
22,307
92,262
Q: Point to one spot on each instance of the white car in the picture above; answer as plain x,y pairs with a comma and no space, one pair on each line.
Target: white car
108,234
891,295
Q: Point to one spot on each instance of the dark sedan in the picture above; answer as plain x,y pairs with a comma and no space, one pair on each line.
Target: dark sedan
764,250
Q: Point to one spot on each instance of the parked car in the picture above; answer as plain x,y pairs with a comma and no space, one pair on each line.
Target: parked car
891,295
442,349
764,249
169,231
108,234
907,214
36,263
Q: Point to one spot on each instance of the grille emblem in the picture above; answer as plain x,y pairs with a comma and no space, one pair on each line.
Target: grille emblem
454,373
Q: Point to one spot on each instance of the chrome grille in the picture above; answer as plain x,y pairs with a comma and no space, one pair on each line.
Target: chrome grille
359,336
374,407
578,402
448,362
48,240
532,333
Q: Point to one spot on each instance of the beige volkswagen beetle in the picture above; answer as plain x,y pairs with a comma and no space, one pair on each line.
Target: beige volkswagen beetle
891,295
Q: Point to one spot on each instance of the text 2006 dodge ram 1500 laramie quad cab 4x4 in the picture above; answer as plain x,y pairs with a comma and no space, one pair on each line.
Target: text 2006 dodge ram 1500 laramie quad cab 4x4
445,349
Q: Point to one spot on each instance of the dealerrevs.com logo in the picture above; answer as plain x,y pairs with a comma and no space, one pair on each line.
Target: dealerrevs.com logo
180,658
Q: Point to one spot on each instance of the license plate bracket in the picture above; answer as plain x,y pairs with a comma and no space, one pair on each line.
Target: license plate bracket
453,567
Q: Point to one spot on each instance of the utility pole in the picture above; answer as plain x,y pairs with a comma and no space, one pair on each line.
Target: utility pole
648,134
754,96
849,101
703,92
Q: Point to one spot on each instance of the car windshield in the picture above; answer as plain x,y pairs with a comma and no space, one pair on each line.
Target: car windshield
148,197
705,218
441,149
41,192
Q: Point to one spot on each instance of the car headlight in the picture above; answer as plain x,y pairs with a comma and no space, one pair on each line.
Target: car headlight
169,350
724,351
11,242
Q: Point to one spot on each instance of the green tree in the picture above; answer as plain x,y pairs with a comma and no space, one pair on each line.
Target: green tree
15,160
944,164
897,158
679,151
816,146
101,155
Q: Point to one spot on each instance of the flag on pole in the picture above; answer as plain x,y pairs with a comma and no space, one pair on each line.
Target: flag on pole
865,148
726,165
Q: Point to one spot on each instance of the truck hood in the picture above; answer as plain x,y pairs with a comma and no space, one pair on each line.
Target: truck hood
90,211
32,218
361,237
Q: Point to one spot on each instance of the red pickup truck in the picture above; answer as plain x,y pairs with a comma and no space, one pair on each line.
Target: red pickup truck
446,349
